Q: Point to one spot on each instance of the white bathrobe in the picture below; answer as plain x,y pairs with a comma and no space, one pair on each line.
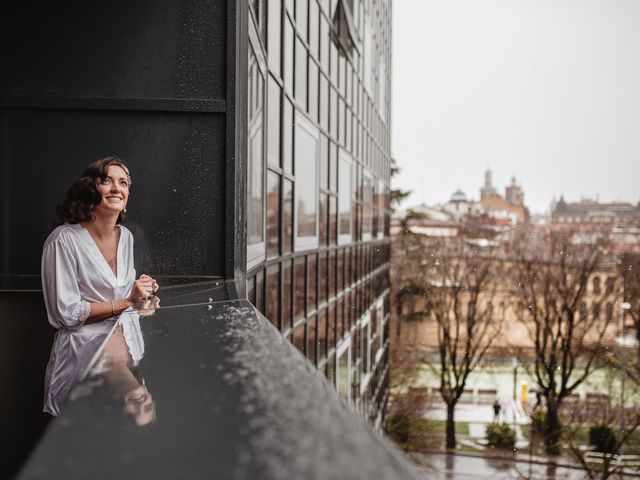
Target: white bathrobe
75,274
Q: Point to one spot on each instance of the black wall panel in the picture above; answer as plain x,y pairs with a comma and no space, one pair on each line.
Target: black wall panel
24,351
177,199
114,49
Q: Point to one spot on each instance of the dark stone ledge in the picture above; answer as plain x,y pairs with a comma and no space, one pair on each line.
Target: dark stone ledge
231,399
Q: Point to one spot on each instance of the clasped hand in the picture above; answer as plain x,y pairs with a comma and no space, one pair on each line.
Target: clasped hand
143,289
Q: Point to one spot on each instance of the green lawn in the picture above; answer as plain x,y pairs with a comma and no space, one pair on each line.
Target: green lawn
436,427
417,434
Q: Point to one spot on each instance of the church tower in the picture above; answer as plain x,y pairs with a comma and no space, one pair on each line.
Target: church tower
487,190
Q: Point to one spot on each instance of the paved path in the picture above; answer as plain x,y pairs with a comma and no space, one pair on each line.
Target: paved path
479,415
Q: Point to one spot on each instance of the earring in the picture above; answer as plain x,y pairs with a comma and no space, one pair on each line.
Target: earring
124,211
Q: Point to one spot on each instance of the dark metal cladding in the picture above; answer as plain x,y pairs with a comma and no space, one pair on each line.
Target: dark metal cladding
152,82
233,399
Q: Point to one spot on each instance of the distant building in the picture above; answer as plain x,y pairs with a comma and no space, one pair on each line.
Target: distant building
459,206
493,217
589,213
424,220
514,194
510,207
590,219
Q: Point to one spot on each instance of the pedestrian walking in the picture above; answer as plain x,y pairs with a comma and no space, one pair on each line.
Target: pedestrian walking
496,411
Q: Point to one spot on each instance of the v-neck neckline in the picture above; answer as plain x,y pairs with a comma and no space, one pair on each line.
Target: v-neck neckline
97,251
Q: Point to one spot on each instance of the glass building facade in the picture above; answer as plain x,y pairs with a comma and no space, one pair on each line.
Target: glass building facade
318,168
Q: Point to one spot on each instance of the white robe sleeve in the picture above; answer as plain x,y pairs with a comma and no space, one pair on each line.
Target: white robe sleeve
65,308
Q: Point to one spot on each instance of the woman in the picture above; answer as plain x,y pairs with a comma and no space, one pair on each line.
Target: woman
88,276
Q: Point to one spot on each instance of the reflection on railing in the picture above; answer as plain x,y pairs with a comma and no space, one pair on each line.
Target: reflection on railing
106,354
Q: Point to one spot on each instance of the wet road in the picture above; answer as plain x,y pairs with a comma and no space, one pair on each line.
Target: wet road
459,467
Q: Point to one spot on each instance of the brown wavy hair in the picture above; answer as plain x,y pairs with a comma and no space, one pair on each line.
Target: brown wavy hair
82,196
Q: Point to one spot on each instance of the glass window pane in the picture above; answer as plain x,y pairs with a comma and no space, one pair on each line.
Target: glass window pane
299,288
334,62
347,307
251,290
255,172
333,112
332,274
348,127
273,34
324,102
312,283
298,338
347,267
324,162
288,55
349,74
323,215
339,320
260,291
273,213
307,146
313,27
340,285
312,340
287,216
302,17
301,73
332,219
367,199
374,210
331,326
273,294
273,122
365,334
356,362
344,197
287,137
333,167
313,90
321,334
325,40
323,277
341,121
330,369
343,374
287,317
342,75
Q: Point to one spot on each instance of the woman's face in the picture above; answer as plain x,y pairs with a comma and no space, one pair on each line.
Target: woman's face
114,191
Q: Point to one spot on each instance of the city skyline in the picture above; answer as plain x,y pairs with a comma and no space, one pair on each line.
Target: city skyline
474,196
544,91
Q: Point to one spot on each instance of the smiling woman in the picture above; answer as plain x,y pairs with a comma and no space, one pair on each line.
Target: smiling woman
88,276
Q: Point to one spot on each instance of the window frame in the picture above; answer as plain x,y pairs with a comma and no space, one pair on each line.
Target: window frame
306,243
256,252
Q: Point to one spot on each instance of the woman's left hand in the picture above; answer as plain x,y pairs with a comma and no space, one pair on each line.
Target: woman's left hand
148,306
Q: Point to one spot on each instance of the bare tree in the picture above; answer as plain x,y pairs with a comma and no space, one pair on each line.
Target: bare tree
462,284
630,273
553,277
606,464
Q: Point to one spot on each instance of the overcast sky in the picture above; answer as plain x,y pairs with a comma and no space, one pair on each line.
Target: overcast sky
546,90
